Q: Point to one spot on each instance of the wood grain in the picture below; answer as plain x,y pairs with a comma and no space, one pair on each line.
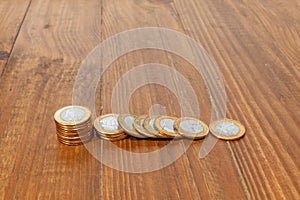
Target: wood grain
187,186
254,43
53,40
12,14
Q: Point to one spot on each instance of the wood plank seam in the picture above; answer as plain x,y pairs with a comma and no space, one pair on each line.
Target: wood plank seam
100,97
245,188
15,39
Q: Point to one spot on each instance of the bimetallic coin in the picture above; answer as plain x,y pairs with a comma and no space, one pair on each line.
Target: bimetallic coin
165,125
227,129
73,125
71,115
126,122
149,126
139,126
107,124
191,127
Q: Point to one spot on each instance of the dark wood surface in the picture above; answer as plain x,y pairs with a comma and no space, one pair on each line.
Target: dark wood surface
256,45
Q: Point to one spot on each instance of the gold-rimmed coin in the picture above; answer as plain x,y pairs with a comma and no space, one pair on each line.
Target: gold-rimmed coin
149,126
72,115
107,124
126,122
73,125
227,129
138,124
190,127
165,125
108,128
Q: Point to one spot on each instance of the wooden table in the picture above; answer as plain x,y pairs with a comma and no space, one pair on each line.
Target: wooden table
255,44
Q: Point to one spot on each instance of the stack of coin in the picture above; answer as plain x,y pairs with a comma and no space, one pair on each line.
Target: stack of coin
108,128
73,125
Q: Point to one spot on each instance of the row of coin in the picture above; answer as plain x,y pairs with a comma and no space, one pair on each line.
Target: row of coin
114,127
73,124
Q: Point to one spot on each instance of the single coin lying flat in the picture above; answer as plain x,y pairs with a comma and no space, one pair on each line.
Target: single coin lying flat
227,129
191,128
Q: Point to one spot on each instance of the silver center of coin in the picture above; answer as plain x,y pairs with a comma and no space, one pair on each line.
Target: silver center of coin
129,121
151,123
72,114
191,126
109,123
227,128
142,123
168,125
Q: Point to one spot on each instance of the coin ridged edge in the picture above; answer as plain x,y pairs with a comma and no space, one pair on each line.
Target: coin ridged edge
112,139
74,143
78,137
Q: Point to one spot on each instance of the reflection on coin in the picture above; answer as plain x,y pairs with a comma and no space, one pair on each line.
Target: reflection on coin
191,127
71,115
165,125
227,129
126,122
139,126
107,124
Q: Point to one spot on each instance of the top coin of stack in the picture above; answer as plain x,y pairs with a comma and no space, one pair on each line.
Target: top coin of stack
73,125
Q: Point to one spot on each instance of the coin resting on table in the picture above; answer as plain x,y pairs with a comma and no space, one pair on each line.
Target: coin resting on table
74,127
